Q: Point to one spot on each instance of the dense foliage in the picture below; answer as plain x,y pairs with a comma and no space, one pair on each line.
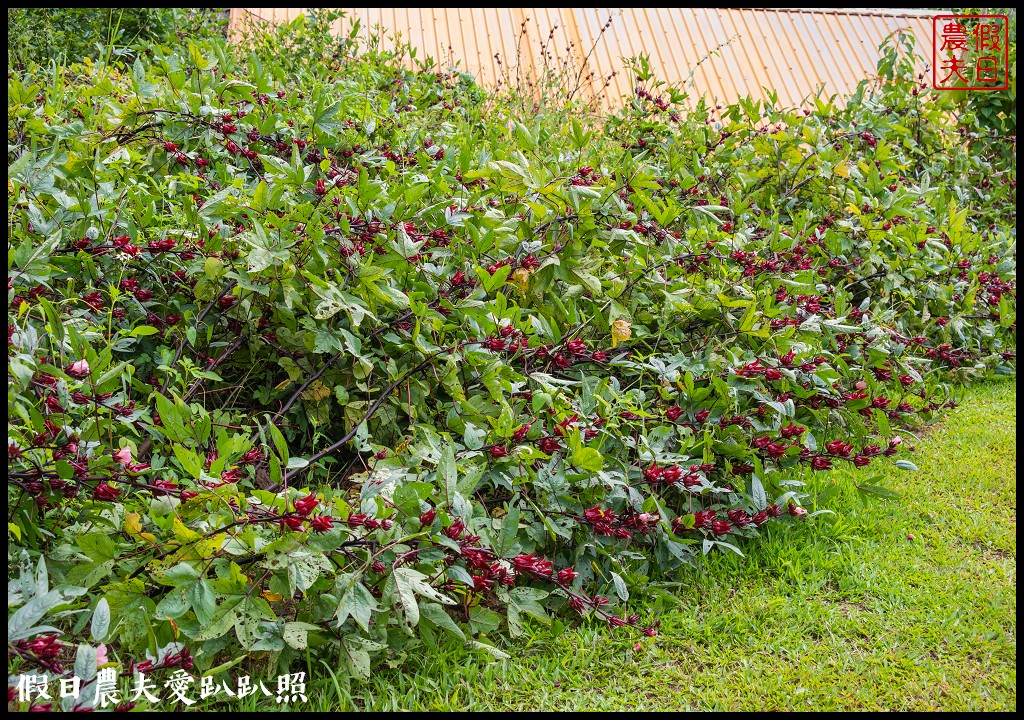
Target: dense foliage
42,34
309,350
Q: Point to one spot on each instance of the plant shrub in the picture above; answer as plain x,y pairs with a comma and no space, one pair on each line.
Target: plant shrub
314,351
41,35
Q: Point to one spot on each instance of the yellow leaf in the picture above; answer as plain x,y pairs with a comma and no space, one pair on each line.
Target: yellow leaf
316,392
283,384
842,170
621,330
132,524
521,278
271,596
209,547
183,533
174,627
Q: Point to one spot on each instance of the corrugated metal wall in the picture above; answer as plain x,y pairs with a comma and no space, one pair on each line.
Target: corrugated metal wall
791,51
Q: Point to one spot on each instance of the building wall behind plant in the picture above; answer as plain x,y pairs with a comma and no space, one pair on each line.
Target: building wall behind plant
726,54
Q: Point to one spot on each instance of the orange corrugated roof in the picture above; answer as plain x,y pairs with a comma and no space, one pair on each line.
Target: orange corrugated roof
792,51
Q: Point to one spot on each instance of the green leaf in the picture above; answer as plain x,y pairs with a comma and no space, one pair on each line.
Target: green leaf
53,321
620,587
509,529
483,620
409,583
279,442
757,494
525,600
494,652
203,601
447,472
303,566
190,462
260,197
219,624
878,490
85,662
474,437
356,602
100,620
358,661
729,546
490,282
21,624
296,634
439,617
324,119
586,458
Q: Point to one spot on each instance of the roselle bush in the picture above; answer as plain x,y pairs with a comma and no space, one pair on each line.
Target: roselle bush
314,352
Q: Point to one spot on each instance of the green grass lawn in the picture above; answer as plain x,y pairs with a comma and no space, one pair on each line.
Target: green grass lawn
844,612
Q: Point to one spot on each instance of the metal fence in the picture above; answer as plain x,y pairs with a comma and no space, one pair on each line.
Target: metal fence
722,53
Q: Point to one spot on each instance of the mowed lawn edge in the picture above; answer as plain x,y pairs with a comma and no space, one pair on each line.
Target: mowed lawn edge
902,604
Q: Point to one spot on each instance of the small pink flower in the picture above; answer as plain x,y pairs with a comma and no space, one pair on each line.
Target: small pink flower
101,654
79,369
123,456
